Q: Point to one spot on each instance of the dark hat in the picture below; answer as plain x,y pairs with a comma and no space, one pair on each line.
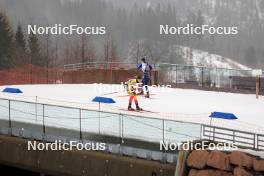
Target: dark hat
138,77
143,59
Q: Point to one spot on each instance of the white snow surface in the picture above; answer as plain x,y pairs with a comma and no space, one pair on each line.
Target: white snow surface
168,103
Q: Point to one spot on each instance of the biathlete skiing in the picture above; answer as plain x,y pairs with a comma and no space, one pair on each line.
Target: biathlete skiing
145,68
133,88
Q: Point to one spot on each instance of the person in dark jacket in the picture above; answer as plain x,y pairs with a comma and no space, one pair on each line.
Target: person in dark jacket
145,68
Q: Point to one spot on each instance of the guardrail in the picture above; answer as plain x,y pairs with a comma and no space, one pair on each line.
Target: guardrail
122,132
239,138
100,65
178,75
51,122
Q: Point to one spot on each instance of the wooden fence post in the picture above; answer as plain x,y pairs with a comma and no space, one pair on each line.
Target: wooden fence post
257,86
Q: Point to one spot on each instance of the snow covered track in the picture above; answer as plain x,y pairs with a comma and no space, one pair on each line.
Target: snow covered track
182,105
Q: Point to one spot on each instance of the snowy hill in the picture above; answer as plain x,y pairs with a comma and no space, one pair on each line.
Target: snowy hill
202,58
176,54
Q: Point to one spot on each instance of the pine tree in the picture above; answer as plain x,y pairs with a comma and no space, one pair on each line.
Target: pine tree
113,52
35,51
19,37
6,40
19,53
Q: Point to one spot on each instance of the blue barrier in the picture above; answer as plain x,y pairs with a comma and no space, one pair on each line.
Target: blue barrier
12,90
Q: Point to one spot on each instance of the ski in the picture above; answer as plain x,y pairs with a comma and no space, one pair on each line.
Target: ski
110,93
149,111
140,111
132,110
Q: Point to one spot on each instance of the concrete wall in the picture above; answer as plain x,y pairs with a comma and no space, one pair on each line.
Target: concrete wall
13,152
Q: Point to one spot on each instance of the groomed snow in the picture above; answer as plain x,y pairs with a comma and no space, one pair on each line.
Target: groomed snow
167,103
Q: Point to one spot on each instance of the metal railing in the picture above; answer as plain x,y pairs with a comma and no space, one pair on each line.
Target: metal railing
124,133
239,138
189,75
100,65
185,75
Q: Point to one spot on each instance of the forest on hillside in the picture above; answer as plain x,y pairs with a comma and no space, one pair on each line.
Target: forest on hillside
132,30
